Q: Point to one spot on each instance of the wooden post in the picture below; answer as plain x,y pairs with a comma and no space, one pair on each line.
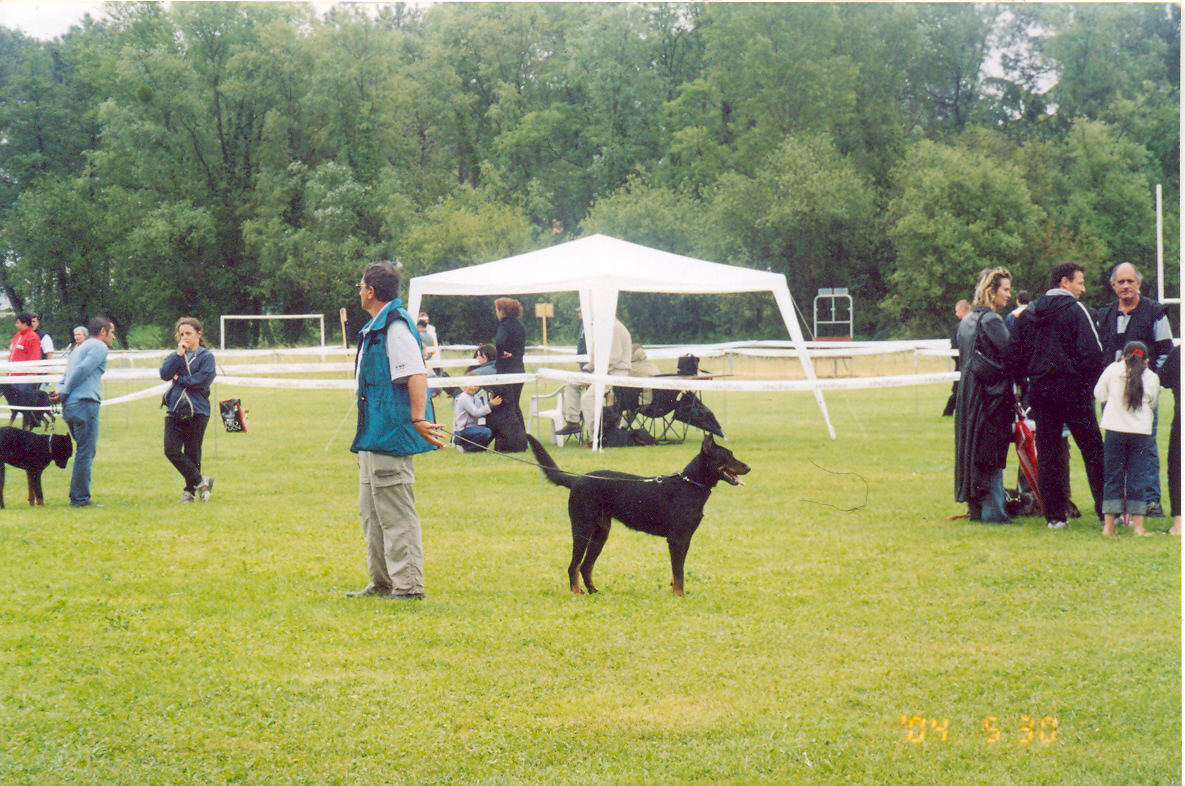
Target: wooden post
543,311
345,338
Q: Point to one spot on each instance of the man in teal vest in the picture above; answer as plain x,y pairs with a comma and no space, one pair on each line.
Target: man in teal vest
394,423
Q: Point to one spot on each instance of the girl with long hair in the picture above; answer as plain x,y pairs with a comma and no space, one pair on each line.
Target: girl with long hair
1128,389
191,370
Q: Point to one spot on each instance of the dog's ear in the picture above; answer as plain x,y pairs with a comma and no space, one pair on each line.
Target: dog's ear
709,443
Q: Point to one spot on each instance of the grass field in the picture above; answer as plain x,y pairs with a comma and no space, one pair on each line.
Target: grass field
154,643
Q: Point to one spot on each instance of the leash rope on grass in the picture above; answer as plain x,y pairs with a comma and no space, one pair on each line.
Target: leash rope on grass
828,504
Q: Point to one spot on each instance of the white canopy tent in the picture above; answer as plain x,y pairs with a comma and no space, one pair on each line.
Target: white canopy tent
599,267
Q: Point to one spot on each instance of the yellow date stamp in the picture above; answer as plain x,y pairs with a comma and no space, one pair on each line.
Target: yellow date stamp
1023,730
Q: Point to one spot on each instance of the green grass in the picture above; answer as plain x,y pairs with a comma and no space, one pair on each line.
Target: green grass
154,643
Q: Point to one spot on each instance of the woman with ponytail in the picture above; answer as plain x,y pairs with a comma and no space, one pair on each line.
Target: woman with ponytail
1127,389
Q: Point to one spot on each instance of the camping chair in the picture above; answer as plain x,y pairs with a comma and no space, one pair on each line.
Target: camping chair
657,417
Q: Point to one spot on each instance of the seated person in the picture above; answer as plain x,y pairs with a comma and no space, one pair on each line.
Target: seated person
641,366
578,397
469,429
485,357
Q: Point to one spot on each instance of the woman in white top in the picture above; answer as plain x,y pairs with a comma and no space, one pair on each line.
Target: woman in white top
1128,391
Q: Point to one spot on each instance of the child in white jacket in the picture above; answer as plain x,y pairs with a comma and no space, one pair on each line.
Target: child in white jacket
1127,389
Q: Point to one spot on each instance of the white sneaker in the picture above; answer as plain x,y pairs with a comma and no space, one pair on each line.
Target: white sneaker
203,491
186,496
1057,525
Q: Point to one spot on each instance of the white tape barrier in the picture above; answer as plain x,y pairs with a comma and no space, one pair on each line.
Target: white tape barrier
751,385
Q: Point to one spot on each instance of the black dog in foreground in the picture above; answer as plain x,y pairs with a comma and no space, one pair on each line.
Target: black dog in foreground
32,453
27,396
670,506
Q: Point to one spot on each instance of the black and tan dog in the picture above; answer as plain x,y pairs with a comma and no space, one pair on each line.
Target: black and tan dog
19,396
32,453
669,506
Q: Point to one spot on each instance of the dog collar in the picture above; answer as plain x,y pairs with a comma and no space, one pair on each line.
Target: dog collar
683,477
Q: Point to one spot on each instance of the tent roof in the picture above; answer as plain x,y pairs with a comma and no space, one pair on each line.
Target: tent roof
597,262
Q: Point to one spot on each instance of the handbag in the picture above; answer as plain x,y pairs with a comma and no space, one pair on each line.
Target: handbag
234,417
986,370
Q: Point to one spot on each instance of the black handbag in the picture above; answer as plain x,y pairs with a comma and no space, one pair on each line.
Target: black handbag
986,370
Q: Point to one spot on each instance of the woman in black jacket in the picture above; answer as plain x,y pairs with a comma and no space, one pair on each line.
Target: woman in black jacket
510,343
191,370
984,404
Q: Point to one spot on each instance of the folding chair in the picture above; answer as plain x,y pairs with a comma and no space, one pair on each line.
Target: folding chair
657,417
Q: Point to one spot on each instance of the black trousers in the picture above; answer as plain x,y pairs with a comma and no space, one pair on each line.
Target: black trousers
183,447
1175,461
1071,406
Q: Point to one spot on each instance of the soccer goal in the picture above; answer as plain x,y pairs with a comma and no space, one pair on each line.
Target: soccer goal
222,322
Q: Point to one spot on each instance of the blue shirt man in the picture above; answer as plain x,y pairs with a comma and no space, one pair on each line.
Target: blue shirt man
80,392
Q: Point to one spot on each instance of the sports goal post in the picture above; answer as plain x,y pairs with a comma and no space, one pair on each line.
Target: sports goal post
222,323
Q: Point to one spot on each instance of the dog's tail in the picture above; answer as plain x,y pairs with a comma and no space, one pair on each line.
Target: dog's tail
548,465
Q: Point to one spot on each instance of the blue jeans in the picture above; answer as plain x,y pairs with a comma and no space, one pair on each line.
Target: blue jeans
1152,461
1125,472
82,417
469,435
991,505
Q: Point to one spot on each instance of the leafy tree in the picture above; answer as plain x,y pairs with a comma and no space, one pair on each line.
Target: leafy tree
466,229
956,212
807,213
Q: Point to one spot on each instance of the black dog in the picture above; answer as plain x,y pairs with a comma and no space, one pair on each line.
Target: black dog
32,453
509,434
670,506
27,396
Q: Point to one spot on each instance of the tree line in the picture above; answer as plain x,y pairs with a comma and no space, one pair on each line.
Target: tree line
208,158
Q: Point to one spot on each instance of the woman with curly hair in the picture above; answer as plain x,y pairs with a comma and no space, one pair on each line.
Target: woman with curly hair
510,344
984,403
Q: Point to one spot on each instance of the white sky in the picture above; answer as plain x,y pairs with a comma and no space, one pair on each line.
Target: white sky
45,20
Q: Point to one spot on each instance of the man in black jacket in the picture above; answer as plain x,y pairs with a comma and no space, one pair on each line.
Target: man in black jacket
1056,348
1135,318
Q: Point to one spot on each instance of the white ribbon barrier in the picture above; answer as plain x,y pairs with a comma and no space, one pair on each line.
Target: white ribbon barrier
751,385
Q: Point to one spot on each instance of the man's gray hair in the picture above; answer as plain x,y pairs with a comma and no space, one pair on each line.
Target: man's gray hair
1115,272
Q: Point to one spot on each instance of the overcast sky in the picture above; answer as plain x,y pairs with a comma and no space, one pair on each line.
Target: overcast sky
45,20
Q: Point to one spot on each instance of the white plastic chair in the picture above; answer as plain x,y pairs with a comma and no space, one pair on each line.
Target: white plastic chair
556,415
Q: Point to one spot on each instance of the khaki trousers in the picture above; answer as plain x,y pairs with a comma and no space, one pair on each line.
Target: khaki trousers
390,526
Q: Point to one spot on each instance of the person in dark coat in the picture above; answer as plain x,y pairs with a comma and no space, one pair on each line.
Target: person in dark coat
511,344
961,310
1133,317
1170,377
985,406
1055,350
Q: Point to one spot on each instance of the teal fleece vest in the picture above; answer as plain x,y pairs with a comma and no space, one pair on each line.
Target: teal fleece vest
384,407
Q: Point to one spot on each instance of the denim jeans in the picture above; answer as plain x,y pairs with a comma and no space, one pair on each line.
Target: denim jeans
474,438
82,418
1125,473
991,505
1152,460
